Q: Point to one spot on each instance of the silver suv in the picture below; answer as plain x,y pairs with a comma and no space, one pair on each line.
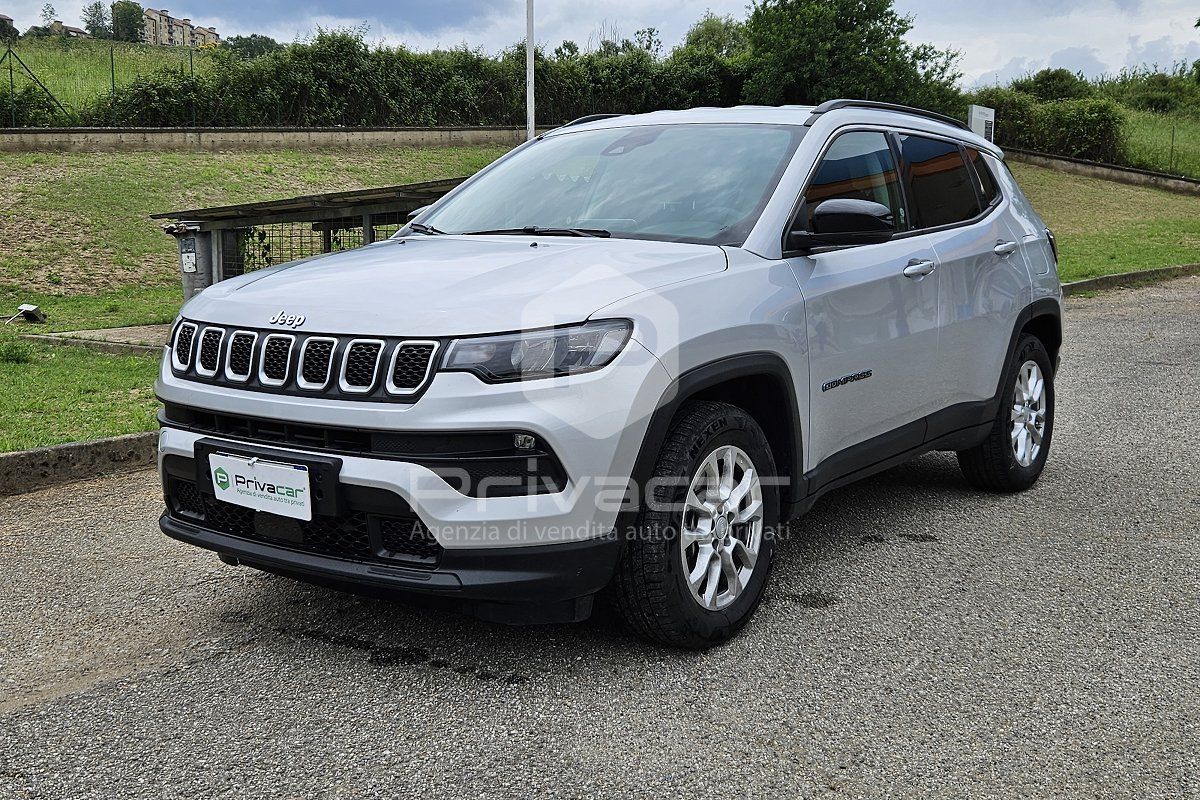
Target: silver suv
616,360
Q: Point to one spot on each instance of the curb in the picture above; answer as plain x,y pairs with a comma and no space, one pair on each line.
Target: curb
27,470
99,345
1130,279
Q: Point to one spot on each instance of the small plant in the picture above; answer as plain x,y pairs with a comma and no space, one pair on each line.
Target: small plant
15,352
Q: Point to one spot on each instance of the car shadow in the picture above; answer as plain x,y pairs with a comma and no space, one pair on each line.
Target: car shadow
413,631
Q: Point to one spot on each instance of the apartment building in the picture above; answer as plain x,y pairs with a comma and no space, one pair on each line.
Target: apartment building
159,27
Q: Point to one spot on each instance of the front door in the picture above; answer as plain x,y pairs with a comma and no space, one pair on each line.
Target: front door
872,317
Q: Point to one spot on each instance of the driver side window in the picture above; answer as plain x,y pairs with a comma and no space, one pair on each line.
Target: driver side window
858,165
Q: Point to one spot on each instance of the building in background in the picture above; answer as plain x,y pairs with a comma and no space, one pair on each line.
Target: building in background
159,27
59,29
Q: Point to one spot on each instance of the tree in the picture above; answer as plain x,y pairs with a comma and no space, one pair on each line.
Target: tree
721,36
48,15
808,51
96,20
127,21
648,39
1054,84
566,51
252,46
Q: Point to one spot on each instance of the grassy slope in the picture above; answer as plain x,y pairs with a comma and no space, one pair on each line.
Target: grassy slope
1105,228
75,232
1150,146
77,70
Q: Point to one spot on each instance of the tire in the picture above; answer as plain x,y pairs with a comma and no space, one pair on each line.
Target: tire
996,465
651,588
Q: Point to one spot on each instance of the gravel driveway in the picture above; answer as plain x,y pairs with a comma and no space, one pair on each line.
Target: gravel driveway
918,638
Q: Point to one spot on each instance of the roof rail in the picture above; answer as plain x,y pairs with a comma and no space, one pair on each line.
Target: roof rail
834,105
588,118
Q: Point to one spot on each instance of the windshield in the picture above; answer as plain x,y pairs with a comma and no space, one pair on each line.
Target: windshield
688,183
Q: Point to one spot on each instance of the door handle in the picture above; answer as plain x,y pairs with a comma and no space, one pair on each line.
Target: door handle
1004,248
918,269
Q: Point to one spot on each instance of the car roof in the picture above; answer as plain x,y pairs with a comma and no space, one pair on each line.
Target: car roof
787,115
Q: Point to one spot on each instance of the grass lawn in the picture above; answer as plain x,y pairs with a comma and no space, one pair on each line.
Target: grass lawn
76,71
50,395
75,232
1105,228
1163,143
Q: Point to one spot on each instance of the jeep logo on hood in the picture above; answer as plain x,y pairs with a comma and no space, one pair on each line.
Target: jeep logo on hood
284,318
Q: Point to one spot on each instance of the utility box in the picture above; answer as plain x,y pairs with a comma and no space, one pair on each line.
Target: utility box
982,120
195,256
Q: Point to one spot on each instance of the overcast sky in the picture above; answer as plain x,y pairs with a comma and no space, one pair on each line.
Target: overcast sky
998,40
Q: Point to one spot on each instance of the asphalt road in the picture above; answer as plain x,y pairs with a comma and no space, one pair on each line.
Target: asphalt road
918,638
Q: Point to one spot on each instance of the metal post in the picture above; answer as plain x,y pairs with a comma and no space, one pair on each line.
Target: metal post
12,93
1172,146
529,122
368,228
192,69
112,66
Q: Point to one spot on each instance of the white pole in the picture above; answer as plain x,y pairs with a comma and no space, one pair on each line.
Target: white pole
529,126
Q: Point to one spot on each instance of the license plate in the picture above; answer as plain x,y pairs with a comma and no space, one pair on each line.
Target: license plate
282,489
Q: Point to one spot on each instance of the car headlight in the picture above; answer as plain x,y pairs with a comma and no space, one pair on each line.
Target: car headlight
548,353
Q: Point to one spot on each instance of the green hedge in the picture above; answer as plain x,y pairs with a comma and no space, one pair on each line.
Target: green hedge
1091,129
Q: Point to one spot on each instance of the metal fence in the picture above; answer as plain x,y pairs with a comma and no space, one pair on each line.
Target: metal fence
249,248
226,241
73,73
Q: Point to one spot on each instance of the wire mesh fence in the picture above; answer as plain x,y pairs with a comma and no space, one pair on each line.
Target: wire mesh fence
76,75
256,247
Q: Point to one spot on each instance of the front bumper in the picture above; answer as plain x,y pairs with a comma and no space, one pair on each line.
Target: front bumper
534,557
552,583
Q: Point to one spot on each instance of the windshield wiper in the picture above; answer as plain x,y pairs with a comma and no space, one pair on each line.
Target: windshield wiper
534,230
421,227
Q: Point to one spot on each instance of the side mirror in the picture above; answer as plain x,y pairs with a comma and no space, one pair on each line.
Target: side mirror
844,221
417,212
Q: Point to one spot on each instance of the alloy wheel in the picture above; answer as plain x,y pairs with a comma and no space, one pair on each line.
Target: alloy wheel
1028,413
722,528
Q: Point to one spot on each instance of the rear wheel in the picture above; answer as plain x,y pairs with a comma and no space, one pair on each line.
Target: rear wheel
694,570
1012,457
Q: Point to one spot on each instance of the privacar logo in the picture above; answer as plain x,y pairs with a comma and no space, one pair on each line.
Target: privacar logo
222,477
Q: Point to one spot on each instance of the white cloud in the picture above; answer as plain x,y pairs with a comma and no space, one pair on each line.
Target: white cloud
1058,32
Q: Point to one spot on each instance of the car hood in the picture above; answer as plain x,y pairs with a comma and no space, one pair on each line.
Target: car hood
453,285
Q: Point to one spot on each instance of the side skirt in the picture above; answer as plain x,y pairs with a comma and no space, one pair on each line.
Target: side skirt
956,428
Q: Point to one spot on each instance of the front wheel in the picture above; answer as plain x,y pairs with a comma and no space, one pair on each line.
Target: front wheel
694,569
1013,455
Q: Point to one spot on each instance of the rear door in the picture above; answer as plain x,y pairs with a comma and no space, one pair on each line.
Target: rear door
872,330
983,277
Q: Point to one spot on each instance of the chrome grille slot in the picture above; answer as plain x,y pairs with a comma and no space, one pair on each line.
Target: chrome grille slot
410,366
360,365
316,360
181,354
369,369
240,356
208,355
276,359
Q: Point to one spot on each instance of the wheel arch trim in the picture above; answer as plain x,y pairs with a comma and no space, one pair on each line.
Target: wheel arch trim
707,376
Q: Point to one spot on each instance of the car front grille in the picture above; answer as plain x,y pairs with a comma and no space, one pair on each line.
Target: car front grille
355,535
210,351
361,364
185,336
396,370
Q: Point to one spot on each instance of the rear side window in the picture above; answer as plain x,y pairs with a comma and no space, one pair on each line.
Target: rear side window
858,165
943,189
987,184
